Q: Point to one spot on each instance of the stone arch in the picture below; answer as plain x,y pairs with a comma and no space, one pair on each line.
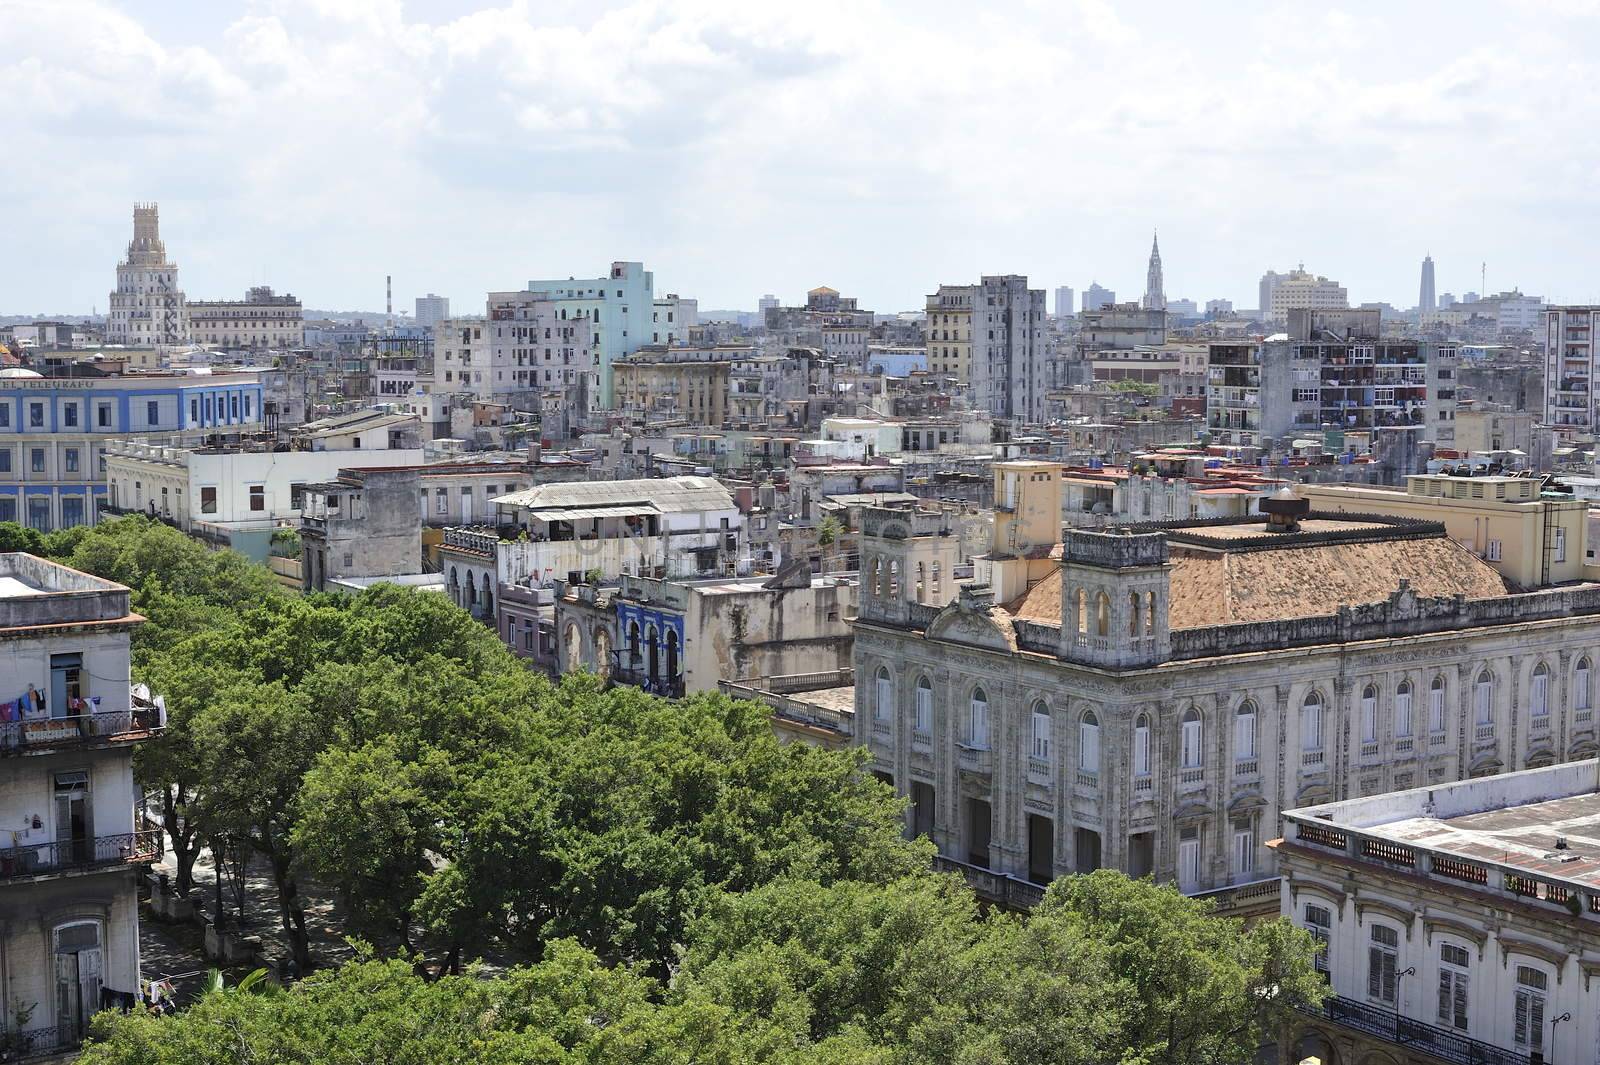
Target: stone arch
1191,738
1314,1042
1133,614
572,645
1102,614
894,578
602,652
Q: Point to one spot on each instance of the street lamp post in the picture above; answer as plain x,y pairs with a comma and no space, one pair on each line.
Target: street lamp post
1553,1022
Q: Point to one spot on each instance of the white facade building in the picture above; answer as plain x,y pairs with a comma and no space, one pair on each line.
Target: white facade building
1572,365
1458,923
147,308
260,321
620,306
431,310
71,843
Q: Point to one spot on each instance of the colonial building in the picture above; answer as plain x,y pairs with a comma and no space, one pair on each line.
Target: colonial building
1150,698
258,322
147,308
71,841
1458,923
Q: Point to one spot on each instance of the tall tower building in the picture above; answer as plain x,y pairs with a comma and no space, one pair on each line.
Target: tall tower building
1155,296
1425,301
147,306
1064,301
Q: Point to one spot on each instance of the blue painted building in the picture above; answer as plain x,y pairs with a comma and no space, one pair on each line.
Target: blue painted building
54,431
621,306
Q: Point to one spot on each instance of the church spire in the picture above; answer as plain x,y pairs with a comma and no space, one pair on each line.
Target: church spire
1155,296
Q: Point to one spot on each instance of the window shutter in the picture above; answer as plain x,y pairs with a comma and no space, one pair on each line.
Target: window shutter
1388,977
1374,972
1445,990
1535,1022
1459,1001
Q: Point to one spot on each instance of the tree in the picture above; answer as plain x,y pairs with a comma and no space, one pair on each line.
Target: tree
14,537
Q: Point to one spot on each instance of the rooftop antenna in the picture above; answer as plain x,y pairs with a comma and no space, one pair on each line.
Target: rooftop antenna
1483,282
388,295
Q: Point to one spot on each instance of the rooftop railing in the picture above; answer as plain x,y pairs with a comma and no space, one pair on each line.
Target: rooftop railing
80,855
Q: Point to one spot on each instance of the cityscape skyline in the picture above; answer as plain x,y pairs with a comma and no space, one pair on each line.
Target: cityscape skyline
695,141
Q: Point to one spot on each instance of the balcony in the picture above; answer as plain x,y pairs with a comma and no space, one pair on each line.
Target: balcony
1247,768
974,759
669,687
81,730
1311,759
80,855
1403,1031
1039,770
1007,891
1192,776
1088,781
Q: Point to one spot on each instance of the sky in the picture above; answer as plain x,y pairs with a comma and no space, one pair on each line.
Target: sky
745,147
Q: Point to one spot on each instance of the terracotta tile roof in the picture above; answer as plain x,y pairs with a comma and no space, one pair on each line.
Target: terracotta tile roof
1224,588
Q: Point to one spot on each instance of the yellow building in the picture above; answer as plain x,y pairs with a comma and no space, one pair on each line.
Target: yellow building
1531,537
949,331
696,390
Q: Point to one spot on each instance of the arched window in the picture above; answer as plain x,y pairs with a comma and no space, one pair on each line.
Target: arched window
1102,614
1483,699
1311,723
1039,736
922,582
1539,692
936,589
1581,695
894,579
876,583
1141,746
1436,705
1190,737
924,707
1369,714
1150,613
1133,615
883,703
1089,742
1244,731
1402,709
978,720
1081,612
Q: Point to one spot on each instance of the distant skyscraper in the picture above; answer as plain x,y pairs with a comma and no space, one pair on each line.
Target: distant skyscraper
432,309
1469,297
1155,296
1064,301
1447,300
767,303
1219,308
1269,284
148,307
1095,297
1425,300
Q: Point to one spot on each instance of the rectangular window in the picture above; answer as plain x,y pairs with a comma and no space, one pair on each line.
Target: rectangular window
1244,848
1381,955
1244,734
69,415
1369,716
1040,739
5,460
1528,1031
1189,859
5,415
1494,551
1561,545
36,460
70,455
979,724
208,500
1436,708
1190,744
1453,987
441,501
233,407
258,497
103,416
1402,711
152,412
1141,750
924,709
1319,922
8,508
36,415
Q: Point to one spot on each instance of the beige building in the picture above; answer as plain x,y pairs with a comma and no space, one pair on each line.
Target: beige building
1299,288
1458,923
1150,698
147,309
260,321
1532,537
693,389
1493,430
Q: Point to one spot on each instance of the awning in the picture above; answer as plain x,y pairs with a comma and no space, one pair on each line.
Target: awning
626,510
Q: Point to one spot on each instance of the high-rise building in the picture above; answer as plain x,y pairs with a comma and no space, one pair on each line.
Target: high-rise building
1155,296
431,310
1425,301
620,307
1269,284
767,303
1095,297
1300,289
1572,362
147,307
1446,300
990,337
259,322
1064,301
1219,309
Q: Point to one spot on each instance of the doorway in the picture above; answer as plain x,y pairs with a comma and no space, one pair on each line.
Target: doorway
74,836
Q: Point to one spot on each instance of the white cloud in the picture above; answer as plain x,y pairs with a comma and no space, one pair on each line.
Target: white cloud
741,147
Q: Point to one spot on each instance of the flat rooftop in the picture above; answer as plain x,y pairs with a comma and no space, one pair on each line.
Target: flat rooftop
1524,836
13,587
